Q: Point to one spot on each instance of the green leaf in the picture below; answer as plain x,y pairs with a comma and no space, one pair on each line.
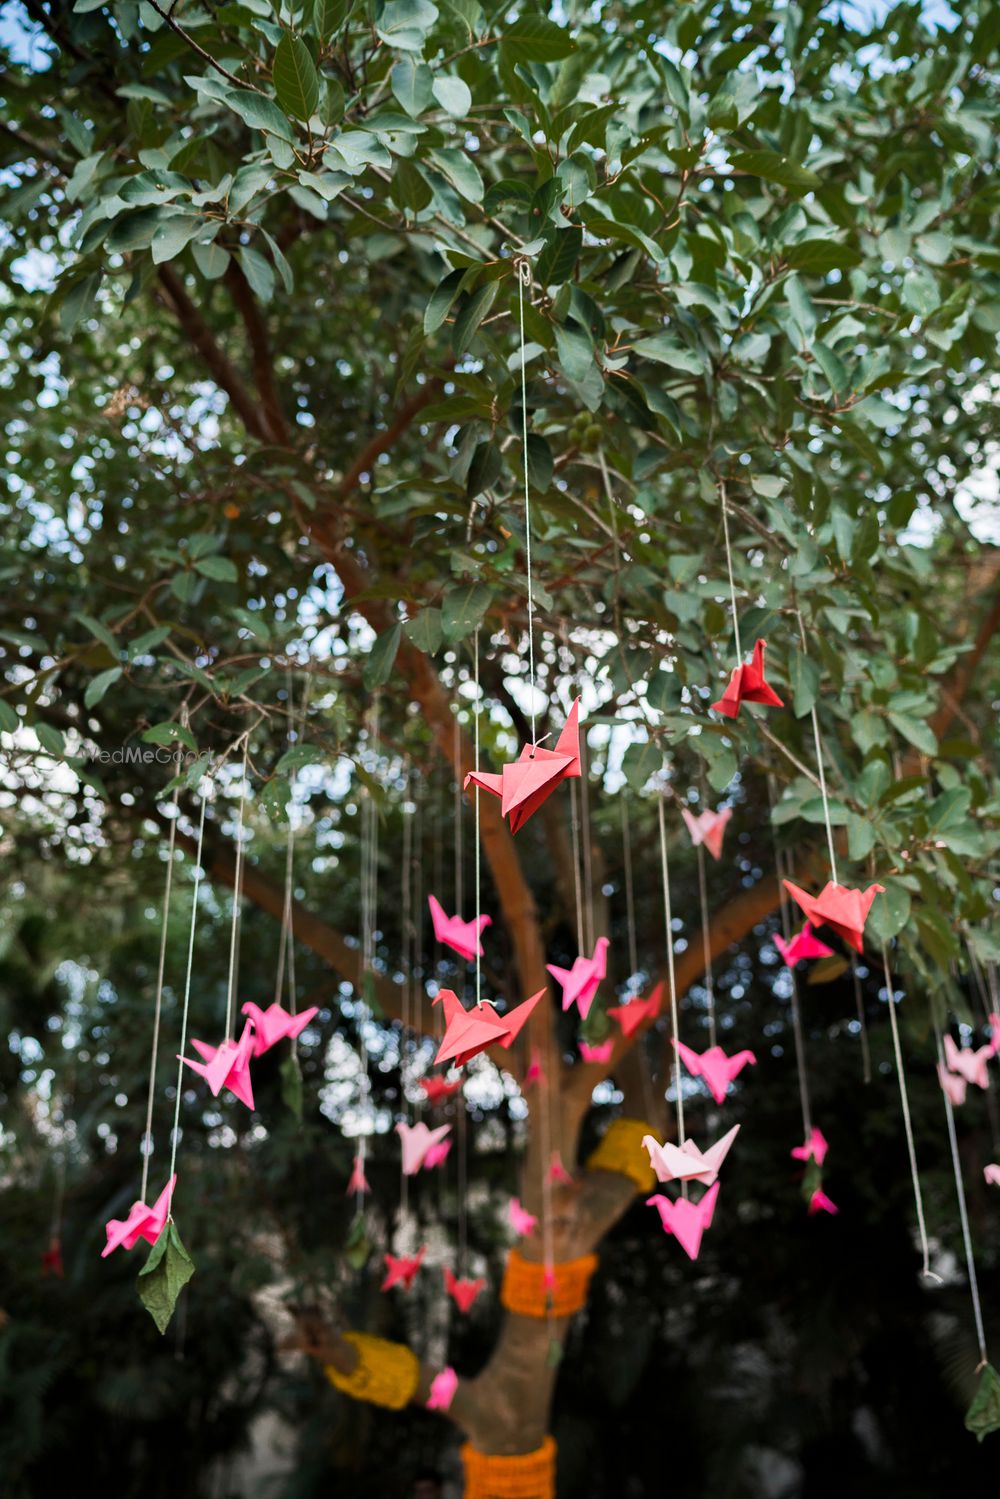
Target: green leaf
301,754
916,731
260,113
664,350
821,255
78,301
424,631
535,39
471,314
441,300
329,16
174,235
832,366
541,464
460,171
169,734
404,23
258,272
575,351
890,912
413,85
9,718
296,81
557,261
50,739
291,1086
100,632
221,569
860,836
211,260
983,1415
463,610
771,166
164,1276
453,94
804,680
99,686
381,658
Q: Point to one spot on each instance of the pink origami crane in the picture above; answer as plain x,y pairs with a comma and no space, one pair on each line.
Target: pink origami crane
437,1089
524,785
820,1203
968,1063
557,1171
358,1181
708,828
814,1149
401,1269
227,1065
802,945
462,1292
599,1053
714,1066
419,1144
443,1387
535,1072
992,1175
748,685
274,1024
581,982
686,1162
686,1220
464,936
952,1084
637,1012
141,1223
841,908
994,1023
522,1222
468,1032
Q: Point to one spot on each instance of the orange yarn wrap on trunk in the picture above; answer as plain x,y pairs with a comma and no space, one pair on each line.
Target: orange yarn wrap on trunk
621,1150
531,1475
385,1374
523,1289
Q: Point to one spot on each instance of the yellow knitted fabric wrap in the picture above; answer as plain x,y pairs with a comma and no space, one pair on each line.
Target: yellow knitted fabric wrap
621,1150
523,1289
531,1475
385,1374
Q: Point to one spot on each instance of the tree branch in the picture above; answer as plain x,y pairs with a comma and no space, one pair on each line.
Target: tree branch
260,348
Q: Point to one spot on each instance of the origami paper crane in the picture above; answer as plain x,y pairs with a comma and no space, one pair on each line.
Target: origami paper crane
443,1387
468,1032
994,1023
968,1063
464,936
686,1220
557,1171
714,1066
599,1053
419,1143
358,1181
634,1014
437,1089
525,784
841,908
686,1162
227,1065
708,828
401,1269
535,1072
992,1175
820,1203
274,1024
814,1149
952,1084
462,1292
141,1223
802,945
748,685
581,982
52,1261
522,1222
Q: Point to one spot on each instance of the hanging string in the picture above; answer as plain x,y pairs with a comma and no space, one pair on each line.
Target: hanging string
819,765
859,1004
237,895
669,927
956,1166
195,897
907,1125
406,896
706,945
785,869
369,917
147,1137
457,759
633,951
417,923
588,861
574,825
729,566
478,859
523,280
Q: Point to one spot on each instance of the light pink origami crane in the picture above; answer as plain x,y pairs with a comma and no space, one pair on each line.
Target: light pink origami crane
468,1032
708,828
748,685
714,1066
840,907
814,1149
443,1387
358,1181
464,936
952,1084
535,1072
557,1171
820,1203
637,1012
802,945
401,1269
142,1222
994,1023
227,1065
968,1063
524,785
686,1162
522,1222
581,982
599,1053
437,1089
686,1220
992,1175
275,1023
419,1144
462,1292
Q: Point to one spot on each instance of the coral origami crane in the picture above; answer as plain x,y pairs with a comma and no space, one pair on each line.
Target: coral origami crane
686,1220
581,982
468,1032
437,1089
465,937
968,1063
632,1015
422,1147
840,907
274,1024
802,945
748,685
522,1222
401,1269
227,1065
954,1085
462,1292
141,1223
714,1066
358,1181
708,828
686,1162
599,1053
526,783
814,1149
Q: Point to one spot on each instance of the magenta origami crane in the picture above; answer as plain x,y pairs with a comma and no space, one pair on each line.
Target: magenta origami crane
535,1072
952,1084
748,685
802,945
437,1089
464,936
468,1032
686,1162
814,1149
274,1024
422,1146
522,1222
401,1269
525,784
637,1012
708,828
581,982
443,1387
686,1220
599,1053
557,1172
714,1066
969,1063
820,1203
840,907
227,1065
462,1292
141,1223
358,1181
992,1175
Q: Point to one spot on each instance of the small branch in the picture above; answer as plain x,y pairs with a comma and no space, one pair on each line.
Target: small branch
188,39
223,371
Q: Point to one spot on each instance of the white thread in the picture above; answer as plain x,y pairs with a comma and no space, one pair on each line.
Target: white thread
956,1166
669,925
147,1138
195,895
907,1126
633,951
478,855
706,945
524,279
729,566
574,827
237,892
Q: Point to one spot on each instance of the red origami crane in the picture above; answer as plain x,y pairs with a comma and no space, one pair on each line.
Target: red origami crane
747,685
841,908
535,774
437,1089
631,1016
462,1292
468,1032
52,1261
400,1270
